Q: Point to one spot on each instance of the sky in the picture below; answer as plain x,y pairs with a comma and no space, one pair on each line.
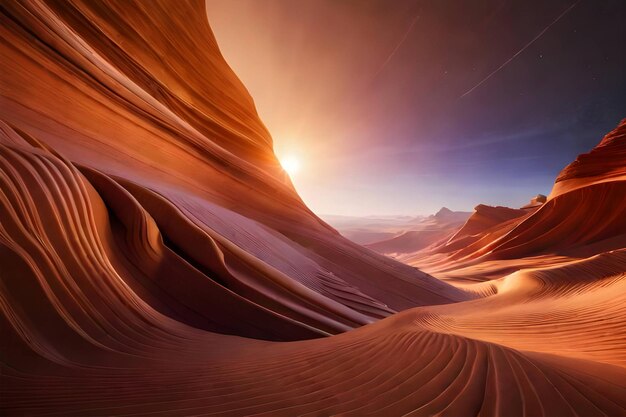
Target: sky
402,107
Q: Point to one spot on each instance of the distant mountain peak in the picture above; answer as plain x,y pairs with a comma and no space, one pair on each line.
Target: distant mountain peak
444,211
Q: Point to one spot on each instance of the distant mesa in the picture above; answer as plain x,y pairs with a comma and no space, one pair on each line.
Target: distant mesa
484,218
536,201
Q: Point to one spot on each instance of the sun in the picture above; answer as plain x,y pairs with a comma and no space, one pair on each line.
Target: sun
290,164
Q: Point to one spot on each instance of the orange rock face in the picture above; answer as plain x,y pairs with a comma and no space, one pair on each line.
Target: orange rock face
605,163
154,257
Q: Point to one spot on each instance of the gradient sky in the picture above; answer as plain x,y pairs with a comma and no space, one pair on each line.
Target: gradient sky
402,107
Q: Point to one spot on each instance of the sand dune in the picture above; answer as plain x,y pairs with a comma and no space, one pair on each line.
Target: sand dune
154,257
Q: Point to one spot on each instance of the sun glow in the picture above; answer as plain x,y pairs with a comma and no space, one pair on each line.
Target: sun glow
290,164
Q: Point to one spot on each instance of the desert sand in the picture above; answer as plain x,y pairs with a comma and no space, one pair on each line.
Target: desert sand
155,258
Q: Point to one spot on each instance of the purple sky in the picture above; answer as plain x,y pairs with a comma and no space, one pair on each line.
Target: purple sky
401,107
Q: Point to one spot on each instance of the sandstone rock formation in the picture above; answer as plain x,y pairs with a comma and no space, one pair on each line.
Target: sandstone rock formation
153,253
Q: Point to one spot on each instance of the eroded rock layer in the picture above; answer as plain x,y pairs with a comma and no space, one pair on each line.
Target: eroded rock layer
136,105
